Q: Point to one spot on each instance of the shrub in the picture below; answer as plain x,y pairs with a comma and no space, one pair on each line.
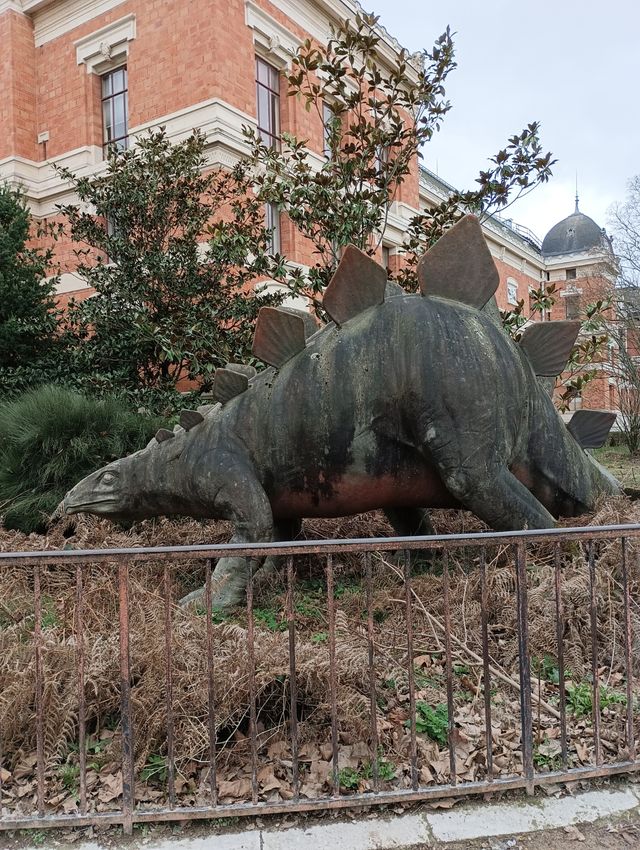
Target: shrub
50,438
29,345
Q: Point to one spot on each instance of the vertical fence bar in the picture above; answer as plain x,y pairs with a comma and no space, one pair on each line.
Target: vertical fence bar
37,634
560,652
410,671
373,705
293,683
593,613
486,665
628,637
168,672
331,613
211,706
80,663
453,777
526,718
128,783
251,658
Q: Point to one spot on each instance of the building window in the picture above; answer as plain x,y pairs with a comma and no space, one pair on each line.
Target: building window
572,306
571,274
115,111
272,223
386,256
512,291
327,118
268,101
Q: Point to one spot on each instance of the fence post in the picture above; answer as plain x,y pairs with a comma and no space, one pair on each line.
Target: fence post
526,718
126,723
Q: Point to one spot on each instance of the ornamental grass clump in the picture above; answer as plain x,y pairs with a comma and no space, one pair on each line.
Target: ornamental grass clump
50,438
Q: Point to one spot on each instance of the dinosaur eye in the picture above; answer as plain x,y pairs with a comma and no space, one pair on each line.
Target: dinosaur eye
108,478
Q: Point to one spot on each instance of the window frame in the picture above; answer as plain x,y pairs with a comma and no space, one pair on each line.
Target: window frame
271,137
274,230
512,285
108,144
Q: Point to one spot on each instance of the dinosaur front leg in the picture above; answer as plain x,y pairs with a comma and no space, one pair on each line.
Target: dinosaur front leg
246,504
284,530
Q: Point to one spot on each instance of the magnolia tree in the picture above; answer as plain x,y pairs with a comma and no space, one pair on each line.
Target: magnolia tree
376,120
171,249
28,319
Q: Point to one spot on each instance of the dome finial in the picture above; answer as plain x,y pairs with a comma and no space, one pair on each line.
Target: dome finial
577,209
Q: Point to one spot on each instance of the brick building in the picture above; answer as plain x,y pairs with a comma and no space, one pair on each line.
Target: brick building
76,75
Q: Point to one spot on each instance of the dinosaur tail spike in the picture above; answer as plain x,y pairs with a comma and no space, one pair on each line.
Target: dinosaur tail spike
164,434
358,283
460,266
590,428
227,384
279,336
548,345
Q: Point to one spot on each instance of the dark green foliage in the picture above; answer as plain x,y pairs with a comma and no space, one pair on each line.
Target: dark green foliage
170,306
27,314
50,438
432,722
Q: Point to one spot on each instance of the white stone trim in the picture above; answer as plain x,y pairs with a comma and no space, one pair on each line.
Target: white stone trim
43,187
70,282
273,41
52,20
106,47
221,123
10,6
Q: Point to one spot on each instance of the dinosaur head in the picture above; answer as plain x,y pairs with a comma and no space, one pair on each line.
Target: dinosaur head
108,492
150,482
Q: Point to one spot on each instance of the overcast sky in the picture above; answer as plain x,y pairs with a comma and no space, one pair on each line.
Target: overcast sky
573,66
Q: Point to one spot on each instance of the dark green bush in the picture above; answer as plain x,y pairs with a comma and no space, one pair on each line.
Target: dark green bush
50,438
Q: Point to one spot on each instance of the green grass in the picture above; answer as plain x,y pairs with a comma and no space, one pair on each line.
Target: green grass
155,770
618,461
270,619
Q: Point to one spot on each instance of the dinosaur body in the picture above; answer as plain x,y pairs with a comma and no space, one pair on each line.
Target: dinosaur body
407,404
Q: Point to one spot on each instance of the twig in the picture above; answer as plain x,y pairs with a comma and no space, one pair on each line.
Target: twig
495,671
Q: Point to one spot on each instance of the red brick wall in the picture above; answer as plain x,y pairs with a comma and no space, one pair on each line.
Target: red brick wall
523,279
17,87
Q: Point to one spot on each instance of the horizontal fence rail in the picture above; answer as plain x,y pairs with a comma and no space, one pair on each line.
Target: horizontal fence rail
377,671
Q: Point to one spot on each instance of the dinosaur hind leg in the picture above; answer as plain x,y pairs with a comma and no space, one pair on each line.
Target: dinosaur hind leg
409,522
497,497
412,522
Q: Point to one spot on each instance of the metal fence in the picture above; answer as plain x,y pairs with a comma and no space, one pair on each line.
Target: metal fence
416,783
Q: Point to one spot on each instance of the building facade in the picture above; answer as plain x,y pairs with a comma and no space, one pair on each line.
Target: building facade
78,75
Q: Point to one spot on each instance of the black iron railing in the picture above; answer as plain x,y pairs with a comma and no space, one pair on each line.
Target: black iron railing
580,543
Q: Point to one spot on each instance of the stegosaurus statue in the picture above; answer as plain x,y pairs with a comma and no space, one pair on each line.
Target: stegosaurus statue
402,402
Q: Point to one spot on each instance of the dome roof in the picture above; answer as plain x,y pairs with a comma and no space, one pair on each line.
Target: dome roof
577,232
